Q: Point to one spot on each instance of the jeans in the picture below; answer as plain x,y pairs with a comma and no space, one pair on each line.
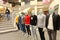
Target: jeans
23,28
20,26
33,32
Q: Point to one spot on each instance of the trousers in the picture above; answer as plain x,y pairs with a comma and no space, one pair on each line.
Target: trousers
28,29
41,32
18,26
23,28
33,32
52,34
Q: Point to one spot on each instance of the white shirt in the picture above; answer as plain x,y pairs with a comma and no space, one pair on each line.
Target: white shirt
41,20
50,23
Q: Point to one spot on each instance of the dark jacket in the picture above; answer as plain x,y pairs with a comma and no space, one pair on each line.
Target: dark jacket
55,21
59,22
33,20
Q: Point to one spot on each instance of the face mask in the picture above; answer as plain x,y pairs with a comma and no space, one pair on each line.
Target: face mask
50,11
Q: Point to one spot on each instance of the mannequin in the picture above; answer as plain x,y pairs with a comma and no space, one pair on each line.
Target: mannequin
23,22
33,19
19,20
41,23
27,23
16,20
52,24
33,23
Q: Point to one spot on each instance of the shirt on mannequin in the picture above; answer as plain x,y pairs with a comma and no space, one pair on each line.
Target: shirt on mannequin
50,22
41,20
27,19
33,20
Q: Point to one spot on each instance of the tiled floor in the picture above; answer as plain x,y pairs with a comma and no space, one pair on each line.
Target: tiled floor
18,35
